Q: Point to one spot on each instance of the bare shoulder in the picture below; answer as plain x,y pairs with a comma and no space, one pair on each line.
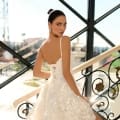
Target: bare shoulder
66,40
44,43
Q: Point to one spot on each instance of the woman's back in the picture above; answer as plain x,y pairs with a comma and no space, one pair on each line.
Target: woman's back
51,51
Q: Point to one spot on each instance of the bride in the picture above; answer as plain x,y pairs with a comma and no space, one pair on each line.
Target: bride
59,98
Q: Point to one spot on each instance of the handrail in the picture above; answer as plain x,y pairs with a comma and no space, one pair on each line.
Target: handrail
30,53
27,46
26,96
95,59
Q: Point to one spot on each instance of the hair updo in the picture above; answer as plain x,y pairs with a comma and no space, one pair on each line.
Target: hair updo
53,14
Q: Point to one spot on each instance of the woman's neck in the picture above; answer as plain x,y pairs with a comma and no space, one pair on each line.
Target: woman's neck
53,38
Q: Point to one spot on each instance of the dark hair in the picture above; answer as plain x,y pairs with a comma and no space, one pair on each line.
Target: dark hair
53,14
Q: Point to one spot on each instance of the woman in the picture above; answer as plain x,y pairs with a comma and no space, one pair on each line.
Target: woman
60,98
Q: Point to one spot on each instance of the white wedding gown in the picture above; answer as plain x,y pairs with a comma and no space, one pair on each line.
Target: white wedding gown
58,102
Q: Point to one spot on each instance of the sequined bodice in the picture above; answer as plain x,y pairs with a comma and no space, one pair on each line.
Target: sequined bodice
56,69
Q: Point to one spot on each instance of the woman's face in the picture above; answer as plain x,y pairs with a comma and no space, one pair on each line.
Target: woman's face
58,26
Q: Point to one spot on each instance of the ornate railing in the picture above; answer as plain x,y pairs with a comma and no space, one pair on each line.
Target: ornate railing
105,87
105,83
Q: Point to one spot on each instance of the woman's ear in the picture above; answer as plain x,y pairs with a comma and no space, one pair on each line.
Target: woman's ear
49,26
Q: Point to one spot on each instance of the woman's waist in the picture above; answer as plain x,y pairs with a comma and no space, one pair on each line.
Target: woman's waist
56,78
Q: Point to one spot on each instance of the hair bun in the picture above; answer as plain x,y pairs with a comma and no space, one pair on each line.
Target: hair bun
50,11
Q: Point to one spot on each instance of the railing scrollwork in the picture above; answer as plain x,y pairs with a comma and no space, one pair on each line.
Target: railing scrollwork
105,87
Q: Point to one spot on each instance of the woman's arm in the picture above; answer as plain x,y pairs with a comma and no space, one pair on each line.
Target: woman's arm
37,70
66,48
